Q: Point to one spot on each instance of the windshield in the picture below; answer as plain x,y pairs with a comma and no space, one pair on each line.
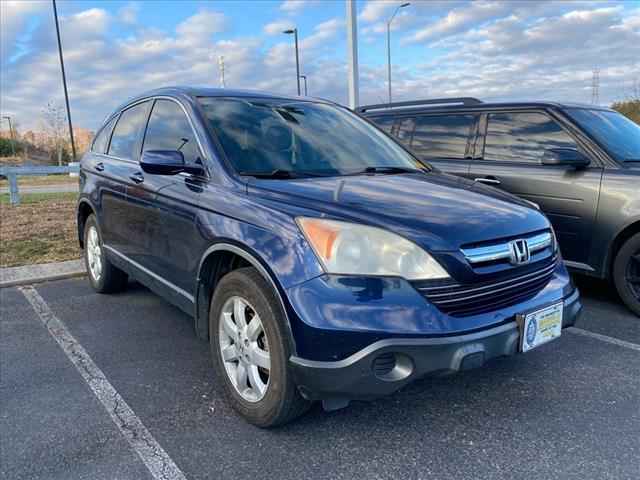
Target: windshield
613,131
298,138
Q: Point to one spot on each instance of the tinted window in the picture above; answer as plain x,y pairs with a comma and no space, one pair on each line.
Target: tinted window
302,137
102,139
442,136
126,135
523,137
615,132
385,123
169,129
403,130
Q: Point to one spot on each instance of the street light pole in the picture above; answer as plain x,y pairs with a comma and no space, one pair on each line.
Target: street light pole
64,81
11,138
389,45
304,77
295,36
352,53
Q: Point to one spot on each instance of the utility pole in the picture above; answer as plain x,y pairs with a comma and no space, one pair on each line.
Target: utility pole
306,92
11,138
221,66
295,36
64,82
389,45
595,86
352,52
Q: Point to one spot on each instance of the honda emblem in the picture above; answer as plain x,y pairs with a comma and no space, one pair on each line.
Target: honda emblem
520,253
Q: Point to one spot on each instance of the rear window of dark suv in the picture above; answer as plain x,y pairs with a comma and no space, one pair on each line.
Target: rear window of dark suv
431,136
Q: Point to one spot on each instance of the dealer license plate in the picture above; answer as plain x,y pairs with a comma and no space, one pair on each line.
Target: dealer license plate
541,327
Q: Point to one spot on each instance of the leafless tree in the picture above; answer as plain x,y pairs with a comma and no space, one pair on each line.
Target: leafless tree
54,117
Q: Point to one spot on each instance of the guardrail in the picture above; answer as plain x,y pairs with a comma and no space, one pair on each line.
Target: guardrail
12,174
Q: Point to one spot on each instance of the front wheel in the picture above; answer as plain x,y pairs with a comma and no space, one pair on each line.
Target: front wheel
103,275
626,273
250,346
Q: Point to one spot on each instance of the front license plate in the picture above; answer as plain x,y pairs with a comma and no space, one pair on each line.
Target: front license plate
541,327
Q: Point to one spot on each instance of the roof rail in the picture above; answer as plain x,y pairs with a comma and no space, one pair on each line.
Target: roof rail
416,103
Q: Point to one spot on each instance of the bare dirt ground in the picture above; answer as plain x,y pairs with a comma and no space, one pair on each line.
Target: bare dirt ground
39,230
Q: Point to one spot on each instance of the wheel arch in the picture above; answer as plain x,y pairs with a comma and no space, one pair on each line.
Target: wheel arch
83,210
220,258
619,240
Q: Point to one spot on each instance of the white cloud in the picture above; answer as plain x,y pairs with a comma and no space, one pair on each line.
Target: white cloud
14,17
374,10
277,27
201,26
293,6
129,13
323,32
460,19
512,54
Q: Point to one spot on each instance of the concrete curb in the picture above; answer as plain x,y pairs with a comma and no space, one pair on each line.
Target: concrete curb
14,276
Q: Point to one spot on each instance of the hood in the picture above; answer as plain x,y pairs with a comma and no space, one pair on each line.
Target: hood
436,211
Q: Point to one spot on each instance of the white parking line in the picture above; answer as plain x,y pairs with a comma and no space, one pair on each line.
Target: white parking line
604,338
142,442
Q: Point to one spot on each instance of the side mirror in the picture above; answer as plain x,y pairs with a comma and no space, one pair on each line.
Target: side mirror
566,157
166,162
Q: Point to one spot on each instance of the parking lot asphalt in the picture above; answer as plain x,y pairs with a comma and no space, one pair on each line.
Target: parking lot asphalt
569,409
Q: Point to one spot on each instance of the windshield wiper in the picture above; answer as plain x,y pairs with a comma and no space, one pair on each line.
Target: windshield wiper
389,170
279,173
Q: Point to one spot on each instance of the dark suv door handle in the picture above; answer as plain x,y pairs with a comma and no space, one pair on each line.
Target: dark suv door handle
488,180
99,166
137,177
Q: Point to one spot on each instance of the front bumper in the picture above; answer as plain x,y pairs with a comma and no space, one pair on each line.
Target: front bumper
387,365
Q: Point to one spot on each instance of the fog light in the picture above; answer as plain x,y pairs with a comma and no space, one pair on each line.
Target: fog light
392,367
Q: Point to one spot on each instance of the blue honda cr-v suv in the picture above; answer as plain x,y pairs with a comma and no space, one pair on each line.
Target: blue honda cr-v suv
321,259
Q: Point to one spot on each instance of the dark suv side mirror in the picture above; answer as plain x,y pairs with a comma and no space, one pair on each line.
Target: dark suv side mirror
567,157
167,162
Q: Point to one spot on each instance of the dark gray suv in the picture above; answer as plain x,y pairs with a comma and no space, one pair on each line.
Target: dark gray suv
579,163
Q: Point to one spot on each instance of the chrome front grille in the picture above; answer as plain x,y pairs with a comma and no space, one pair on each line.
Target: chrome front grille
504,250
466,300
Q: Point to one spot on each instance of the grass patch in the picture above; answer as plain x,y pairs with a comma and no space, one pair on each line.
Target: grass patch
57,179
27,198
41,229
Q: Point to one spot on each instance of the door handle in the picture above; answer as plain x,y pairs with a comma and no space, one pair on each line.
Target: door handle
488,180
99,166
137,177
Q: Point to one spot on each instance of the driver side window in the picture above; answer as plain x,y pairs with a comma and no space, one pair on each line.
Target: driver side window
169,129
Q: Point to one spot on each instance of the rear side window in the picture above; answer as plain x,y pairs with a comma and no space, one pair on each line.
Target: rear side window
442,136
102,139
169,129
385,123
126,135
403,130
523,137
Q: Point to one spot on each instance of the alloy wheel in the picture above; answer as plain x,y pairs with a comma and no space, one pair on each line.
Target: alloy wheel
244,349
94,254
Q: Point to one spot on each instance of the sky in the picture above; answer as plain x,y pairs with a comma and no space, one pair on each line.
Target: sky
493,50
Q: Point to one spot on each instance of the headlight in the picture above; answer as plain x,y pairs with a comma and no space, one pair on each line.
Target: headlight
352,249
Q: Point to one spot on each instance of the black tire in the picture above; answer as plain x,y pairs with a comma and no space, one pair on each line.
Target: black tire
281,402
626,273
111,279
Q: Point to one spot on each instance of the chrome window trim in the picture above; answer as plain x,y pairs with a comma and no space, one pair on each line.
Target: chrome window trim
502,251
152,99
177,289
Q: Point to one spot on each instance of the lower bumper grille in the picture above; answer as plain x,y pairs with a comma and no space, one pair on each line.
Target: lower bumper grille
466,300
